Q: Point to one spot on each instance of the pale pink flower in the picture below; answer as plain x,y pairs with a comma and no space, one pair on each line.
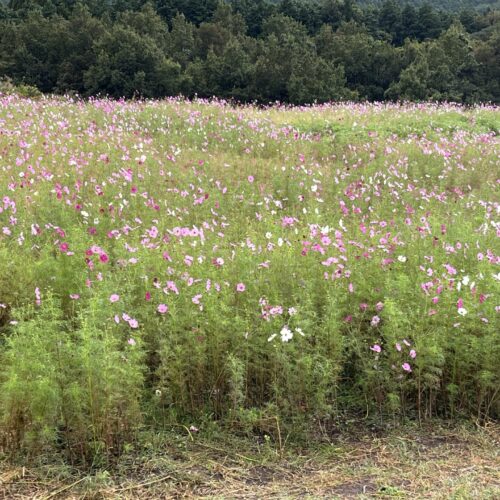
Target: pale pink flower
114,297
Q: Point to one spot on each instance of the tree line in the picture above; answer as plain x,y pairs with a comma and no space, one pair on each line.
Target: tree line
253,50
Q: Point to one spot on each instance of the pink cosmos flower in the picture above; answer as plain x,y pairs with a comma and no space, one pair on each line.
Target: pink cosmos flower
74,296
131,341
240,287
413,354
162,308
406,367
376,348
133,323
375,321
450,269
398,346
114,297
250,178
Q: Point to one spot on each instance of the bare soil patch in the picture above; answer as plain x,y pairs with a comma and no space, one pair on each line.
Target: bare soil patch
423,463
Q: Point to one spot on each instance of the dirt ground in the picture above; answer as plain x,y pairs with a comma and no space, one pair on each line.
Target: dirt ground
420,463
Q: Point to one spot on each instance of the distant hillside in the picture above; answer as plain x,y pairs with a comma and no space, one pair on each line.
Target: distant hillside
452,5
296,51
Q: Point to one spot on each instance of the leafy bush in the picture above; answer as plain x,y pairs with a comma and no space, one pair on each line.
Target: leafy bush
22,90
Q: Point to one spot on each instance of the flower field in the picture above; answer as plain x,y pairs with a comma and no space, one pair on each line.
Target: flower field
275,270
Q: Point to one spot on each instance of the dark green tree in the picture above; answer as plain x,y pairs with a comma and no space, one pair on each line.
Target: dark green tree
429,24
390,20
443,70
83,30
409,22
181,40
130,64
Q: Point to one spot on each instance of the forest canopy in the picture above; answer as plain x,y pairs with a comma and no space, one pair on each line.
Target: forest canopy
255,50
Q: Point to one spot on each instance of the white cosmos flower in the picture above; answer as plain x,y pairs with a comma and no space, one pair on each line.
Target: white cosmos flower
402,258
286,334
462,311
272,337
